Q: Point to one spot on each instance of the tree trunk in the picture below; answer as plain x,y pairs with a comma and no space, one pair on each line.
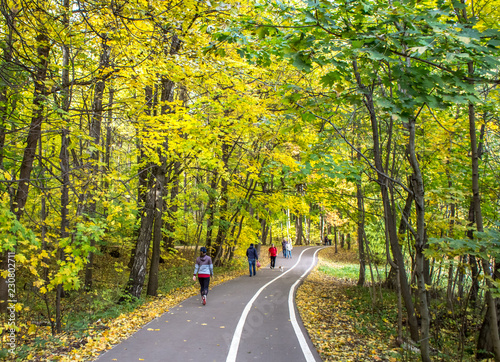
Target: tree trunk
107,146
138,270
7,55
449,289
4,89
308,223
157,234
298,230
146,199
405,216
35,128
223,224
470,234
4,291
34,133
144,174
404,225
322,227
491,342
361,232
263,231
390,222
212,194
335,238
474,289
173,207
64,162
461,277
167,96
288,225
420,242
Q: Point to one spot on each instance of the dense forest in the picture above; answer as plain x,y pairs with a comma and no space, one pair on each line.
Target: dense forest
130,128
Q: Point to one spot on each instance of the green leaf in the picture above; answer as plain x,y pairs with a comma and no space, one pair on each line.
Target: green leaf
302,62
356,44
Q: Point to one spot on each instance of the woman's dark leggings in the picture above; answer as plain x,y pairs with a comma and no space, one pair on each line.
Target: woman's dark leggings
204,283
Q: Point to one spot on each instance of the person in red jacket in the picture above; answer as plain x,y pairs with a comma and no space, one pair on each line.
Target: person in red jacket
272,253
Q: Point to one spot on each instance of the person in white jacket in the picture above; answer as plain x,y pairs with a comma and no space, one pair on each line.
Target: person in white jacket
289,248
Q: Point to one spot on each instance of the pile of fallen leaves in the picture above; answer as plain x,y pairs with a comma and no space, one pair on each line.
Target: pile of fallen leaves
338,319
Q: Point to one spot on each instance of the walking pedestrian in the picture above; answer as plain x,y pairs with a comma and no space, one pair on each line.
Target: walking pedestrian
252,258
272,254
289,248
283,246
204,268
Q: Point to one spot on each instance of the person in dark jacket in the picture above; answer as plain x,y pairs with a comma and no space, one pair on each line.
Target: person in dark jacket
205,269
253,257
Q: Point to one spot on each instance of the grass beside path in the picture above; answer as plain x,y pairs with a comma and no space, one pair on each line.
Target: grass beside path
340,317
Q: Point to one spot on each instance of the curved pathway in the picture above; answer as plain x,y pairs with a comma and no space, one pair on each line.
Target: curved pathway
245,319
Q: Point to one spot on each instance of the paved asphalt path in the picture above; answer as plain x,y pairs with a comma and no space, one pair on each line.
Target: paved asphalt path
245,319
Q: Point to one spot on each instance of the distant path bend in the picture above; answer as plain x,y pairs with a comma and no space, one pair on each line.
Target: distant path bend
245,319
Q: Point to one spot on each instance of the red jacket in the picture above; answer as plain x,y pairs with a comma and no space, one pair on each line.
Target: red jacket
273,251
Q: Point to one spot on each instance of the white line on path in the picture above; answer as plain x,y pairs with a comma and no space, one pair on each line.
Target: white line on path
298,332
235,343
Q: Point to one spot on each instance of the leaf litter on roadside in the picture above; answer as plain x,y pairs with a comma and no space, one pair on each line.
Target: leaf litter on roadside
118,329
334,320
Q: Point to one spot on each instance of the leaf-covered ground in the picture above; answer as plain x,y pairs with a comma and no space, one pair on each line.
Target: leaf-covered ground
105,334
340,316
